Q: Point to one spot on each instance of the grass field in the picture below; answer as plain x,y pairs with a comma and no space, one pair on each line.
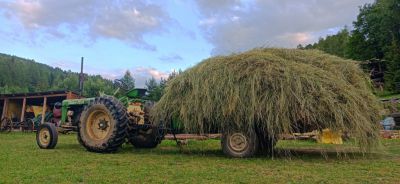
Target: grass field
21,161
383,97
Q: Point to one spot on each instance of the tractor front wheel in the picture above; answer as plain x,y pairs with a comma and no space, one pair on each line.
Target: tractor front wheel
47,136
239,144
102,125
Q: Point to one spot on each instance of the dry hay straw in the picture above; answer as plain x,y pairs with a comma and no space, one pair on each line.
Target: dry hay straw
275,90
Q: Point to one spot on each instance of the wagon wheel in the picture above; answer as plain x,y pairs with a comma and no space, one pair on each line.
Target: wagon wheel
239,143
9,126
6,125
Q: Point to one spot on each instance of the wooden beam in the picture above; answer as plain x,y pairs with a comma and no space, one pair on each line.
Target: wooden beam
44,109
5,105
23,111
69,95
72,95
41,96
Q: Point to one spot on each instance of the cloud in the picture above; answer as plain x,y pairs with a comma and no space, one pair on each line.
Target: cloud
208,21
218,7
74,66
234,25
296,38
142,74
127,20
171,58
65,64
151,72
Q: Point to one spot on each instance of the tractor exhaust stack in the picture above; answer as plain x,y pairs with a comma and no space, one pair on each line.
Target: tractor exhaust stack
81,79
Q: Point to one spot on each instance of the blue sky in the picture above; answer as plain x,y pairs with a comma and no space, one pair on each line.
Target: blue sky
153,38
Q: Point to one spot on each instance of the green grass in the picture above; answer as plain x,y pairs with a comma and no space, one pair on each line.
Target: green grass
390,96
21,161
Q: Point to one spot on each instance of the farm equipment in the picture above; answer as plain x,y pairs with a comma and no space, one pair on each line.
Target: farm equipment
5,125
104,123
8,125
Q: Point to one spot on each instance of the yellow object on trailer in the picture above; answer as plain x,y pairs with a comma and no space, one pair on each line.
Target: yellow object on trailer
329,137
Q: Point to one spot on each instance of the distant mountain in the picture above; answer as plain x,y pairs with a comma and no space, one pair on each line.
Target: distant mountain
19,75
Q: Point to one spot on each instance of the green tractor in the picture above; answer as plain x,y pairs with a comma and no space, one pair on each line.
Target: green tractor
104,123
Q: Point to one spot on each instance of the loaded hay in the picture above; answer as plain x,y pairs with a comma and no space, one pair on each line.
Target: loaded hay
275,91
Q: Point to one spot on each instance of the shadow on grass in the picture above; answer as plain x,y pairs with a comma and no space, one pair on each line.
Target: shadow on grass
279,153
326,154
305,154
70,146
174,150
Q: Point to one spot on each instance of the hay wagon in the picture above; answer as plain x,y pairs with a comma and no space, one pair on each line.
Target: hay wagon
250,98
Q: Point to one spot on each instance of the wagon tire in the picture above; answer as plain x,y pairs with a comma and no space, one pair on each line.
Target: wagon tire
239,144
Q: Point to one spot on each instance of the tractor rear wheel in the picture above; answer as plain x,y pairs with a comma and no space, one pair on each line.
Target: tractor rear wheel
102,125
239,144
144,138
47,136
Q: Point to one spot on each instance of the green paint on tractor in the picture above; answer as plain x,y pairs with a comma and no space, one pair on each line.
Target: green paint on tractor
66,104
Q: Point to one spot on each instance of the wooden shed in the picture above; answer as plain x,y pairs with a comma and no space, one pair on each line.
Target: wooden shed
19,106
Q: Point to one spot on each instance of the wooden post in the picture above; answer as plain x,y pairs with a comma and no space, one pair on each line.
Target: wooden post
23,112
44,109
5,105
69,95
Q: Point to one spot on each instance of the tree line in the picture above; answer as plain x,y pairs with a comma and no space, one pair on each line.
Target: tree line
19,75
376,35
155,89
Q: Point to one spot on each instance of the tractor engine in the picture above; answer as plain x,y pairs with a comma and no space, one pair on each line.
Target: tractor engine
136,113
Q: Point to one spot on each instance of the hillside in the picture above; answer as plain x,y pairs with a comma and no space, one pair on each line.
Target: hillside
19,75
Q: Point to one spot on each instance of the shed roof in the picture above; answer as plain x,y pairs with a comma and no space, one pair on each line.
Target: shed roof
58,92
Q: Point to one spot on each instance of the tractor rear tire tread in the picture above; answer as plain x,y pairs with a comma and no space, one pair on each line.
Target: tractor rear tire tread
143,140
117,138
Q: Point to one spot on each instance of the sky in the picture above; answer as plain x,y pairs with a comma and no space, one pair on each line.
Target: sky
155,38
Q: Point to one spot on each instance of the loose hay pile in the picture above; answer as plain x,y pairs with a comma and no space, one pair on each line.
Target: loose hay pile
276,90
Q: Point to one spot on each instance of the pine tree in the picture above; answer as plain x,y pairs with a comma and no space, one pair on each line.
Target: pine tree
128,80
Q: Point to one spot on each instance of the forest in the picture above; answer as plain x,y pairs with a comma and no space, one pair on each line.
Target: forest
375,35
19,75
